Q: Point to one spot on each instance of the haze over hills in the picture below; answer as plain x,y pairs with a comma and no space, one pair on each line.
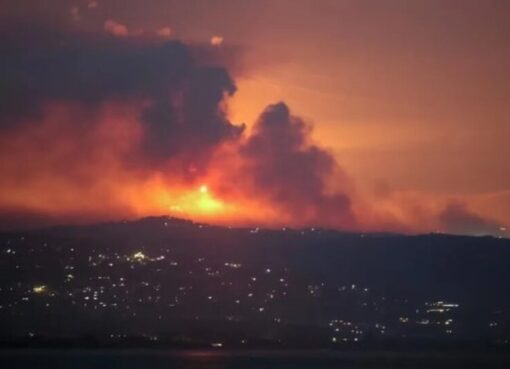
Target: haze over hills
169,281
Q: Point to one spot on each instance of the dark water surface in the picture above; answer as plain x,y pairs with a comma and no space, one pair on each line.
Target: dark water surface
148,359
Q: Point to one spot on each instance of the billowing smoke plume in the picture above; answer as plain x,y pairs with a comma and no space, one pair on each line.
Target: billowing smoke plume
181,114
292,172
99,126
117,113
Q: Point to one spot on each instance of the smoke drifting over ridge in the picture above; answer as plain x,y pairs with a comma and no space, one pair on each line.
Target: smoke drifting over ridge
97,127
292,171
84,118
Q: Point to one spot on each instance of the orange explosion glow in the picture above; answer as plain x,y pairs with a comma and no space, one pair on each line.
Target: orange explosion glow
79,173
75,173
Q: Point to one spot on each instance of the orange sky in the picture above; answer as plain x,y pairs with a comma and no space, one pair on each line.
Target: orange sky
411,97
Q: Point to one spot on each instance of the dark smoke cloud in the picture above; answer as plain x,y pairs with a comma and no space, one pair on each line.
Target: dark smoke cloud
458,219
292,172
183,114
192,119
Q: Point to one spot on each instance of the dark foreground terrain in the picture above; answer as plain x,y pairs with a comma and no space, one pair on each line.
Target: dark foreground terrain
167,283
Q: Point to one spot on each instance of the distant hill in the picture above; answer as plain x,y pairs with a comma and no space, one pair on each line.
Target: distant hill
172,280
